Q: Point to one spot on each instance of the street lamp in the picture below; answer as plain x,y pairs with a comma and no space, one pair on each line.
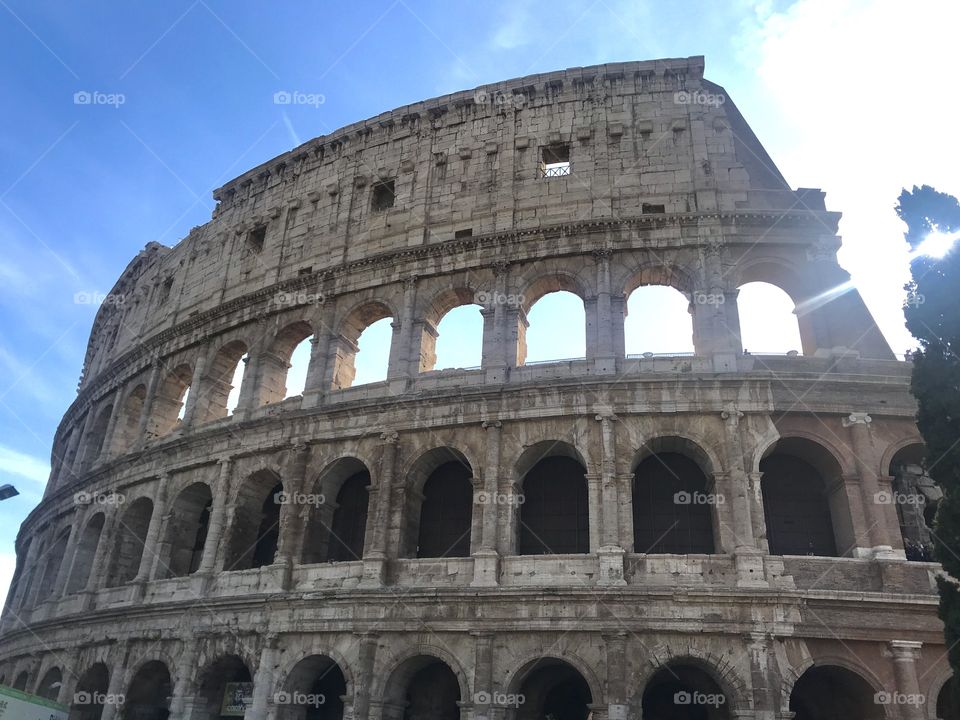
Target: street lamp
8,491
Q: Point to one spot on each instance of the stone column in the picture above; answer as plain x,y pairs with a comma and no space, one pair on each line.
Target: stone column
482,676
197,393
111,706
313,388
106,452
183,681
374,561
486,560
610,552
250,388
404,349
761,675
149,558
290,527
604,354
364,677
616,646
874,509
82,460
63,574
757,519
263,683
221,496
147,411
905,654
28,569
739,506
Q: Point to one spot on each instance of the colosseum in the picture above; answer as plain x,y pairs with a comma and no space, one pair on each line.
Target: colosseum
713,535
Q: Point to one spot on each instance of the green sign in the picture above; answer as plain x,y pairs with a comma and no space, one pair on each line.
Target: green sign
237,697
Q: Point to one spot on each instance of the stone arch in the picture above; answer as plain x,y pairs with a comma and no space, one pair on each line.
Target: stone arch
349,328
694,446
437,516
665,274
535,288
316,649
254,534
783,275
169,401
336,527
911,482
85,553
89,693
441,304
55,558
313,688
793,675
128,424
935,695
515,678
912,444
21,680
186,530
50,684
554,517
217,383
405,666
127,553
148,692
718,668
274,361
95,442
212,681
804,500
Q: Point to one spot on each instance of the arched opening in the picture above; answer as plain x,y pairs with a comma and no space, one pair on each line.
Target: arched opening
170,401
681,691
552,688
226,688
452,332
128,424
84,554
554,516
186,530
768,320
362,348
50,685
948,701
446,512
439,505
48,581
221,386
422,688
796,477
313,691
336,530
128,547
826,692
672,508
256,523
98,435
657,320
90,693
554,329
149,694
279,379
916,497
20,682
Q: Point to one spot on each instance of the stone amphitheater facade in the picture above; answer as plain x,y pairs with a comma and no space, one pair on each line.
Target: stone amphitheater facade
495,542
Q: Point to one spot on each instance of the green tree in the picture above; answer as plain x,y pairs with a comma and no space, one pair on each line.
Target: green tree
933,317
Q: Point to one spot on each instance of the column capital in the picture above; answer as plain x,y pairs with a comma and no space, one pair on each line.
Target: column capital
904,649
602,253
389,437
410,282
488,424
731,415
856,418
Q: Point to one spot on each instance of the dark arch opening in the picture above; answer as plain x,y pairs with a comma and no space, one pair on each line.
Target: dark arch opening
796,507
49,687
948,701
128,549
314,690
916,498
228,670
672,510
90,693
552,688
98,435
125,433
425,688
555,514
256,524
149,694
684,692
828,692
48,580
349,526
446,512
186,530
84,554
20,682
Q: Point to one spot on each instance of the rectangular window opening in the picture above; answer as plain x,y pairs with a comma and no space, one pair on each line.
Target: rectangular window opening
463,233
382,195
555,161
256,237
651,209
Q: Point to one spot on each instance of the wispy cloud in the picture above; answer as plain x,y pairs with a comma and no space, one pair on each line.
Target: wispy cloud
14,462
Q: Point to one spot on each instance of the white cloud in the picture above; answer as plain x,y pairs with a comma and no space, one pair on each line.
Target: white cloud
14,462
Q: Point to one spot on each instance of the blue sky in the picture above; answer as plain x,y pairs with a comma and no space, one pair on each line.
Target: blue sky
853,97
